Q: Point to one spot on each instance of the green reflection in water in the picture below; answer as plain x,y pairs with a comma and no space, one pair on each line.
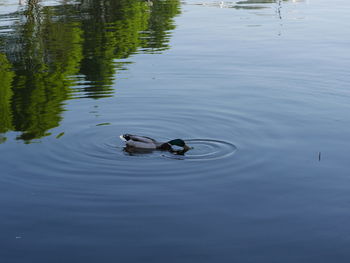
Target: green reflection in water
112,33
55,53
160,23
45,54
6,77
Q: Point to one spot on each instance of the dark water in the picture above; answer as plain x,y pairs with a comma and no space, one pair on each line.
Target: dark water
260,89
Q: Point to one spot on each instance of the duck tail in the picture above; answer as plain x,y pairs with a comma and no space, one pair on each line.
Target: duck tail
124,137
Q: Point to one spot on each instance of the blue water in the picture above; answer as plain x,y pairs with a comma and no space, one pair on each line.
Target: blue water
258,88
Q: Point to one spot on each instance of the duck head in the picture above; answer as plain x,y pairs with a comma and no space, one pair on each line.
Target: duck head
180,143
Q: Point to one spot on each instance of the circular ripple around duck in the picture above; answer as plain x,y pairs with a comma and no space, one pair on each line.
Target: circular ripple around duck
206,149
97,152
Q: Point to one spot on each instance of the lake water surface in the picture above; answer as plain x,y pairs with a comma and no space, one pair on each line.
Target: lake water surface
260,89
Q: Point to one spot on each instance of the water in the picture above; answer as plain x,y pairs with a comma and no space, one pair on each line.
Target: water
258,88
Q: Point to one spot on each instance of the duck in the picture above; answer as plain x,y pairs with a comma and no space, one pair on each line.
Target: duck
147,143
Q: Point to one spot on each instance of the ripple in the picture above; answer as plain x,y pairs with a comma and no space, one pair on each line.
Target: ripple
206,149
97,153
94,153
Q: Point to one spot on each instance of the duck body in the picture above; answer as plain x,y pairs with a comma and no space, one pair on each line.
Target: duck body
141,142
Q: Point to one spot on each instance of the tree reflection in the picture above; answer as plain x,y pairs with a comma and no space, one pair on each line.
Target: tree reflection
112,33
160,23
6,77
54,52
